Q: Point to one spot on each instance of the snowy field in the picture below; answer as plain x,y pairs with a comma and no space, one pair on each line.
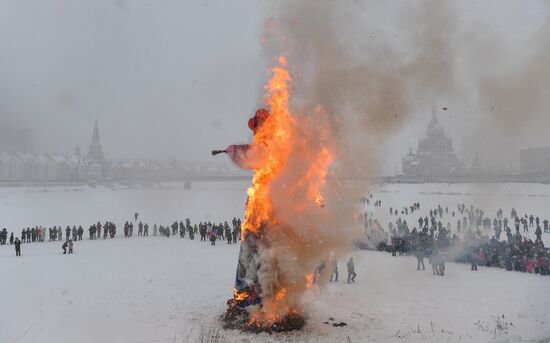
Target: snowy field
165,289
215,201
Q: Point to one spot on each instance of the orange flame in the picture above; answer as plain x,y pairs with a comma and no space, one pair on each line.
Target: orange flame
272,142
239,296
309,280
281,294
279,143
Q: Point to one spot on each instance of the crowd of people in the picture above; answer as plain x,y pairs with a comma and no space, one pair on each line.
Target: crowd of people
476,238
208,231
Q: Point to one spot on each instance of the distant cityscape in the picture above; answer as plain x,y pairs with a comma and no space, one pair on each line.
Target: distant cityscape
433,161
22,167
436,160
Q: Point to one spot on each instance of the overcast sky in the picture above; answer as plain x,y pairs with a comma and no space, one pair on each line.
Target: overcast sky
163,78
176,79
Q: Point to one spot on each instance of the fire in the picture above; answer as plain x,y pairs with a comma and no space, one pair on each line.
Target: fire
309,280
274,143
283,140
281,294
239,296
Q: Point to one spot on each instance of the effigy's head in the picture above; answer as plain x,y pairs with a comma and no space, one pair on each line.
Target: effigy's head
258,119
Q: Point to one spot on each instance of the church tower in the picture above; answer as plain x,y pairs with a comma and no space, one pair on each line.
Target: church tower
95,151
95,161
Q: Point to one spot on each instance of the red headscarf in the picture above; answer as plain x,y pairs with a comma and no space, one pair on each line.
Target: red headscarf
255,122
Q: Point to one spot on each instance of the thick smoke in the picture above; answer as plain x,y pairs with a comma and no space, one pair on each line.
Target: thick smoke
377,68
516,96
354,93
368,81
362,91
344,98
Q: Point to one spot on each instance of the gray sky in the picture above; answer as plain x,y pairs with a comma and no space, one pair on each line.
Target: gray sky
164,78
175,79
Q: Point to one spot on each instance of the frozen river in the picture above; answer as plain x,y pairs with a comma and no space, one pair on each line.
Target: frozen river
214,201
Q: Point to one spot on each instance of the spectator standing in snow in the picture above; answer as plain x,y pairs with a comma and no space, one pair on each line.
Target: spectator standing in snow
212,239
351,270
17,247
473,260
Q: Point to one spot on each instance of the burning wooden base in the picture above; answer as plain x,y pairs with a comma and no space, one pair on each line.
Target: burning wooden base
238,318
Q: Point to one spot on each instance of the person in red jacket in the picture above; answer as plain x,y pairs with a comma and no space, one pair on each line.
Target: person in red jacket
530,265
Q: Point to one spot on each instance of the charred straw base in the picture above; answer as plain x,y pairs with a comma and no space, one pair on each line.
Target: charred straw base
236,318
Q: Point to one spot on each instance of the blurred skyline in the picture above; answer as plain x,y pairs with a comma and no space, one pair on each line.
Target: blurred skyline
176,79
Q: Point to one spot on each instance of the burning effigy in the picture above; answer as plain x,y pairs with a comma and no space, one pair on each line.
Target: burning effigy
289,225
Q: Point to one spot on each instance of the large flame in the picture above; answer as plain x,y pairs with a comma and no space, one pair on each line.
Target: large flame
272,145
286,203
277,139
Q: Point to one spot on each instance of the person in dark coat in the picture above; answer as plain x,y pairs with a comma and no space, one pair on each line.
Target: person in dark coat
140,229
351,270
4,236
11,238
234,234
202,232
538,233
182,229
228,235
473,260
17,244
80,232
64,247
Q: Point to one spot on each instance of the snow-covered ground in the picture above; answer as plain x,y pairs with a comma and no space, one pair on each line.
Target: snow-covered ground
157,289
30,206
